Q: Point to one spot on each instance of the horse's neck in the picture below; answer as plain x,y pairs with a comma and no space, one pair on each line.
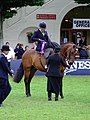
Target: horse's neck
65,49
63,52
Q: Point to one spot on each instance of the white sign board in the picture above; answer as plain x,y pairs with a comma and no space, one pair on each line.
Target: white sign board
81,23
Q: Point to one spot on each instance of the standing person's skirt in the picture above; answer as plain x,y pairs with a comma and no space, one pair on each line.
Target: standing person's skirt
53,84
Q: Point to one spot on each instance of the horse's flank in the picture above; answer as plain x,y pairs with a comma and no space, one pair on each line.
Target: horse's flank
33,58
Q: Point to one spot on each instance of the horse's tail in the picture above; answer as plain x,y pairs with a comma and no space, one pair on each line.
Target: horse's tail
19,74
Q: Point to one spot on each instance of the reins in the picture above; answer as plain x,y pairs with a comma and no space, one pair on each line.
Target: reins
64,54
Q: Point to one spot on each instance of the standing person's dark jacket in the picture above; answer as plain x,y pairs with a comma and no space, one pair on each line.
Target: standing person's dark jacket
54,63
5,86
4,69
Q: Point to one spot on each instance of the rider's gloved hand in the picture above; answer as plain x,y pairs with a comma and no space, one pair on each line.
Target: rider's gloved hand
40,40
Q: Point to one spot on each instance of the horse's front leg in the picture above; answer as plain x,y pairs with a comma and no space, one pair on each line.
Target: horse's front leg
61,85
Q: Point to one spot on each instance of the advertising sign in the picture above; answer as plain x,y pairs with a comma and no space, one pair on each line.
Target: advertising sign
79,67
81,23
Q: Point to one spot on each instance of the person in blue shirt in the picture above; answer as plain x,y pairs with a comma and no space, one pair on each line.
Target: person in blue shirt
5,87
83,53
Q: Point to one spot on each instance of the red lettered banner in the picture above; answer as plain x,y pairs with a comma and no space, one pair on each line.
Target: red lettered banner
46,16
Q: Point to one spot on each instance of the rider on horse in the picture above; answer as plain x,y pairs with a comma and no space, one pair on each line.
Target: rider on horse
44,44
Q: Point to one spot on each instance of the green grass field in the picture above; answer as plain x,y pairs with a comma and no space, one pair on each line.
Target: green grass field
74,106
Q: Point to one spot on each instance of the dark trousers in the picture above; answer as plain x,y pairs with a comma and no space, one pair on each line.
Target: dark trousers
5,89
61,85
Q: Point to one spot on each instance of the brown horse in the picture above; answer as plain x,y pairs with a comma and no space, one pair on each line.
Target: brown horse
33,61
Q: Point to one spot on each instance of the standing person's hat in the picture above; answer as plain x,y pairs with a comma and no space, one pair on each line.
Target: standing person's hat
42,25
5,48
57,49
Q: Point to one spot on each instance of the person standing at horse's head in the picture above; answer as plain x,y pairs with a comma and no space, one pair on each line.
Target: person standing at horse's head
41,37
54,74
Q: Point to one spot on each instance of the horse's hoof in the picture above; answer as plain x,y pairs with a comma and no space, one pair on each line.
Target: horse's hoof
62,96
28,95
49,99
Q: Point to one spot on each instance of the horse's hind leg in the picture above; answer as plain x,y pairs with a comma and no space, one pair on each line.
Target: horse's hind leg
27,87
28,79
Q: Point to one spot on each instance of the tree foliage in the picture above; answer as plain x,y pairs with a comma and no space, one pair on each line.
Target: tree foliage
82,1
6,6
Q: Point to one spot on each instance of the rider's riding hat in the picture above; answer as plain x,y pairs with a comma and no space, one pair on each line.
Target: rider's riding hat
42,25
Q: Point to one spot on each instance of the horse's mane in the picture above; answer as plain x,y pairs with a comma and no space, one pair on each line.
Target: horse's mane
68,43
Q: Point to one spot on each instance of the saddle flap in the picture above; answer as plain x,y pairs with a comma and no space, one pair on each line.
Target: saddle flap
39,61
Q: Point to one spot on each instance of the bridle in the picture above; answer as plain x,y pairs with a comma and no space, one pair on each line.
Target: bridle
67,54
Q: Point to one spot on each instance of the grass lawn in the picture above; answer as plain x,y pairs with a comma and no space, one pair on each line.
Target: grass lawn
74,106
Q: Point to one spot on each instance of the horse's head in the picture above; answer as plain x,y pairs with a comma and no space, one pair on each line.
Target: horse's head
69,52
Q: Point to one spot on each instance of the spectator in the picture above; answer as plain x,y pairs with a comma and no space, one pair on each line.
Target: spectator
19,51
11,55
82,42
83,53
26,47
16,50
